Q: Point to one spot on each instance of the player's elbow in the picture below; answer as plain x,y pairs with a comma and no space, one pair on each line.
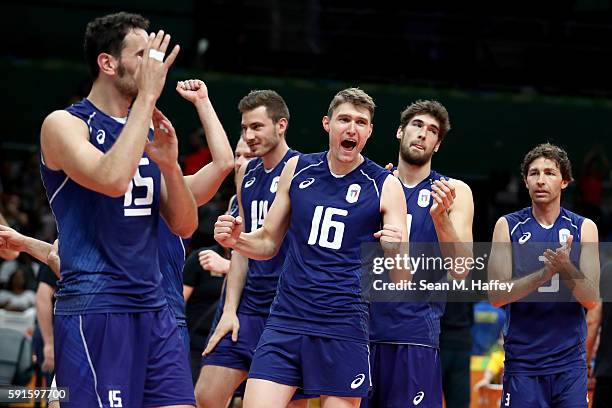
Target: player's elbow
185,229
117,186
226,164
496,300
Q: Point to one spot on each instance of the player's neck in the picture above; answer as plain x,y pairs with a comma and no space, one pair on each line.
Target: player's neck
109,100
274,156
339,168
412,174
546,214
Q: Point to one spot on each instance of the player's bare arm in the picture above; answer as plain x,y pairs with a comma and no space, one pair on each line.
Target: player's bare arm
65,138
177,204
593,319
12,240
265,242
394,231
44,316
205,183
500,268
583,282
452,213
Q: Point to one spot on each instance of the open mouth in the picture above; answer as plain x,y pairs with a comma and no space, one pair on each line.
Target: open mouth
348,144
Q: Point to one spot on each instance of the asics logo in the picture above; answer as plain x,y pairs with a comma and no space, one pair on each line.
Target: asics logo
249,183
358,381
419,397
306,182
524,238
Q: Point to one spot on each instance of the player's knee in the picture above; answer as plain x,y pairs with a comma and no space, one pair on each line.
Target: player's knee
208,394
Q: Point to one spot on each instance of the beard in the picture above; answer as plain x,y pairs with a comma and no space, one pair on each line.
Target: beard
413,158
126,84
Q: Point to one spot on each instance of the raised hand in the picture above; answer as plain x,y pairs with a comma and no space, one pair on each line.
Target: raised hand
192,90
151,72
443,194
227,230
163,150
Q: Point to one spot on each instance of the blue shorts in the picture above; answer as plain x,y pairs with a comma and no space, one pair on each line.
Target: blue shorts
316,365
238,355
567,389
184,333
403,373
122,359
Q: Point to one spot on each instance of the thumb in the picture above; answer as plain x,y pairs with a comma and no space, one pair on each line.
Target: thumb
235,333
238,220
377,234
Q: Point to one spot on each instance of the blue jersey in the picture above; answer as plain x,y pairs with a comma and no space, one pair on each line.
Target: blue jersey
543,337
108,246
319,291
171,262
413,322
257,194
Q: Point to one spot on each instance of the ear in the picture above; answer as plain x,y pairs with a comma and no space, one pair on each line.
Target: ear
525,182
399,133
371,130
564,184
107,64
282,126
437,146
325,122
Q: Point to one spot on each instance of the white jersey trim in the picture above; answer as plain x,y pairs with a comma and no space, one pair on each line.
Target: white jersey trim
373,182
519,223
570,221
58,190
310,165
93,371
253,169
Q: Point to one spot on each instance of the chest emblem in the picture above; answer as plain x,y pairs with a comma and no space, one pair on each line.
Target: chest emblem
352,194
424,198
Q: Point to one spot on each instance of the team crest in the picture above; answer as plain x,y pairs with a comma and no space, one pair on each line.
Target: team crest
352,195
274,185
424,198
564,233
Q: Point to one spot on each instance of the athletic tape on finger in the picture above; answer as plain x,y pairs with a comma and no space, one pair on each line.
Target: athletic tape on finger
156,55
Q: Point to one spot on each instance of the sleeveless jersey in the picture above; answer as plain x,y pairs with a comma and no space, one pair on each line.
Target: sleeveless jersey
413,322
543,337
108,246
319,291
257,194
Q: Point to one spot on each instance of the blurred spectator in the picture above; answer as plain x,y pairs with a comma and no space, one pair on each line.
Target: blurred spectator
17,297
488,324
199,155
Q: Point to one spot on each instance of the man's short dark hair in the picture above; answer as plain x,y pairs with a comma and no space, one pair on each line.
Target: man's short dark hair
107,34
427,107
274,103
550,152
